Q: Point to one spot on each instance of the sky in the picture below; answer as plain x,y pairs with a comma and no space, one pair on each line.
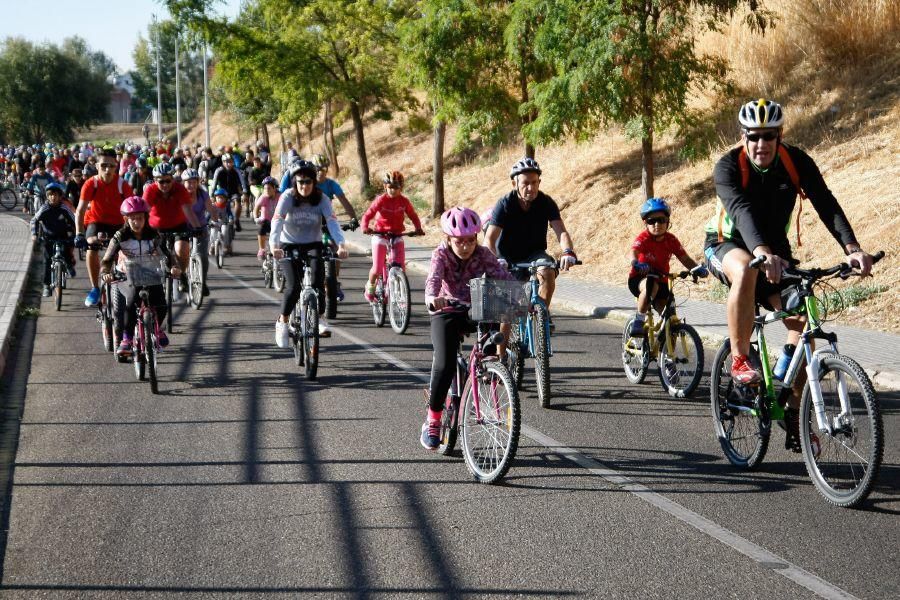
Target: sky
110,26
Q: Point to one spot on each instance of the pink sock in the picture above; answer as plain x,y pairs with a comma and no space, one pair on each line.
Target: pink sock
434,415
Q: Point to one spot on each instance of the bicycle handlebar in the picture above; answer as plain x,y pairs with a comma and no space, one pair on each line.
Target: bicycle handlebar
394,235
842,270
539,264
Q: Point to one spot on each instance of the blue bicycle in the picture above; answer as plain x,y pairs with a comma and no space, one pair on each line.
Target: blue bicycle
530,334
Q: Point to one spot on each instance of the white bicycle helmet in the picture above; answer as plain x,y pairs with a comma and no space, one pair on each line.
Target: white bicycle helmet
761,114
524,165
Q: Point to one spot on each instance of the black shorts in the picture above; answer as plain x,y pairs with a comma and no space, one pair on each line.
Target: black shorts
181,232
715,252
92,229
265,228
524,274
662,289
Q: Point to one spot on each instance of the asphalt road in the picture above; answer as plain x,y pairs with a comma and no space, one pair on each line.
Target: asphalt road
242,479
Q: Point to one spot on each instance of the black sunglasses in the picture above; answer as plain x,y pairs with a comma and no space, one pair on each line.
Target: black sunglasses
655,220
768,136
305,181
163,181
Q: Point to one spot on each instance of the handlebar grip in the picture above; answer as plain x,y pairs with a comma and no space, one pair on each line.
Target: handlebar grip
757,261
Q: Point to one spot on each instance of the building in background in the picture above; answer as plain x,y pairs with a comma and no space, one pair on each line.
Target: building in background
119,109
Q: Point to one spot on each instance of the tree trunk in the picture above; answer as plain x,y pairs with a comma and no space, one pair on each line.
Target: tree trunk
647,165
309,129
356,114
297,140
328,135
265,134
528,117
440,132
281,135
256,133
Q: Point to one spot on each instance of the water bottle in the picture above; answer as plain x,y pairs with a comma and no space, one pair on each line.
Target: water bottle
784,361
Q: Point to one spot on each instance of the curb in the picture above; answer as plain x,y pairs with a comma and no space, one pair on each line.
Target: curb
9,310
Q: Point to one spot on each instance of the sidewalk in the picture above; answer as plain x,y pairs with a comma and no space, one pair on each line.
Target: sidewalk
878,353
15,260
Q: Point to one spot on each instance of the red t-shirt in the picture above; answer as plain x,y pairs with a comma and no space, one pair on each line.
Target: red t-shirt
655,253
387,214
166,211
105,200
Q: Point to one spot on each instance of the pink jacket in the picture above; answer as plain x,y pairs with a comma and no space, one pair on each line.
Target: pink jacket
387,214
449,275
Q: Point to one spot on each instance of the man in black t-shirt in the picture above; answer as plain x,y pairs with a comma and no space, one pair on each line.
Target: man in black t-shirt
518,229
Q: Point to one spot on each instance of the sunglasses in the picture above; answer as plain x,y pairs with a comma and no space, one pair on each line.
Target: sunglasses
464,241
656,220
163,181
768,136
305,182
107,165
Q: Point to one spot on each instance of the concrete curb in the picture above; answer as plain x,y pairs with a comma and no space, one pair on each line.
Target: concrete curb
12,271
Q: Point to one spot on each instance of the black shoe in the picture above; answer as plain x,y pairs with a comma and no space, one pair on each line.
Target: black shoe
792,430
205,291
237,226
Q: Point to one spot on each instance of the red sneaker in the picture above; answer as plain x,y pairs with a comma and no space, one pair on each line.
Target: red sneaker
743,372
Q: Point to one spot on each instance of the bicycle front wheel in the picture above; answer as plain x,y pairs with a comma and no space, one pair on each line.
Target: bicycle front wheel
681,361
195,281
150,345
378,307
740,413
541,337
105,317
490,423
220,254
310,328
843,465
398,296
8,199
279,278
170,321
58,277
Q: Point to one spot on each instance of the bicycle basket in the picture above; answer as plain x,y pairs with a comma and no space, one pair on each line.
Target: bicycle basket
497,300
144,270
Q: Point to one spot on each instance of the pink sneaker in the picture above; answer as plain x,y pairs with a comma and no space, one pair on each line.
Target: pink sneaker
261,254
369,294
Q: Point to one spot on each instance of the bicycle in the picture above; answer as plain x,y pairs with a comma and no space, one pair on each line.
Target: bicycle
268,267
841,432
483,387
393,299
59,272
216,247
8,196
195,275
304,324
672,343
330,260
530,334
168,240
105,312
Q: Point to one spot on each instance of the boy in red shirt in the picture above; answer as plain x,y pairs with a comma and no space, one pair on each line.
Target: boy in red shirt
652,249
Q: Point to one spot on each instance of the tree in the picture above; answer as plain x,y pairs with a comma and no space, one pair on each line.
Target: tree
46,91
630,62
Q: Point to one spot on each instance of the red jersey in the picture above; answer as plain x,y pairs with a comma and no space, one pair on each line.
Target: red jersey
655,253
166,211
105,200
386,214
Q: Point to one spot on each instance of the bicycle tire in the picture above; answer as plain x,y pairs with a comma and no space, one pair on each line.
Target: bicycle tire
515,356
279,278
542,355
137,356
297,335
220,254
268,275
105,318
8,199
399,307
684,376
489,446
378,307
449,425
170,322
635,355
840,477
740,413
58,278
311,336
331,300
150,349
195,281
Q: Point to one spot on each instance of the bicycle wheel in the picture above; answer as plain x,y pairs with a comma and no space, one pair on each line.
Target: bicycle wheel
137,356
279,278
843,465
740,413
489,443
150,345
268,276
297,334
311,335
331,300
398,299
449,425
170,321
681,370
195,281
378,307
220,254
104,315
58,275
635,355
515,356
542,355
8,199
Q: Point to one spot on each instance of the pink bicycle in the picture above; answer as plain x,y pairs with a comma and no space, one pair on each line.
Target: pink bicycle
391,286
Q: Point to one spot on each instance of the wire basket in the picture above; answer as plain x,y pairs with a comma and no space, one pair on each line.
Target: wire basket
144,270
497,300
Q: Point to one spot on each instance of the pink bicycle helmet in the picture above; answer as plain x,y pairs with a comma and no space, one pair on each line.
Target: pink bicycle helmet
134,204
460,222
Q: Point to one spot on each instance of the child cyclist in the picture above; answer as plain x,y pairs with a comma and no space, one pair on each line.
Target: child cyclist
653,248
263,210
458,259
386,214
135,239
55,221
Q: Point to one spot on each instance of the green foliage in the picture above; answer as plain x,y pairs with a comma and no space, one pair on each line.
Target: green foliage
37,83
838,300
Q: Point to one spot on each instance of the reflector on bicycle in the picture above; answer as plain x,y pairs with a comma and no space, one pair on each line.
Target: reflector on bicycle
497,300
144,270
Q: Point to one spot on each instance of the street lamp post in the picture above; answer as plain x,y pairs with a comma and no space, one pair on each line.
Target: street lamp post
158,88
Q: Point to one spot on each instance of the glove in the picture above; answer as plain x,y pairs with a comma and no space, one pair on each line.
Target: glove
354,224
566,261
701,271
81,242
642,268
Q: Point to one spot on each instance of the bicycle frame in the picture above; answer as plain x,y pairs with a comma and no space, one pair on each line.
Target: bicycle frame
659,333
470,370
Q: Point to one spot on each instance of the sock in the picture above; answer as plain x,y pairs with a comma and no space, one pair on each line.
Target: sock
434,415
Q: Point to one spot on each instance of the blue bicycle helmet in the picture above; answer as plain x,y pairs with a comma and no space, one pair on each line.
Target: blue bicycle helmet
55,186
655,205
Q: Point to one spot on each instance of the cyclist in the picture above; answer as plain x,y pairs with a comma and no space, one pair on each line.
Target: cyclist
454,262
73,187
757,184
171,213
288,175
297,225
39,181
518,232
228,178
204,209
137,238
333,190
653,248
55,221
98,212
262,213
386,214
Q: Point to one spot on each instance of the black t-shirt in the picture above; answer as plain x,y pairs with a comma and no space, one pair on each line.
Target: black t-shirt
524,233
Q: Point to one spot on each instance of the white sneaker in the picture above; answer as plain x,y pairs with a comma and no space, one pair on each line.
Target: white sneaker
282,334
324,329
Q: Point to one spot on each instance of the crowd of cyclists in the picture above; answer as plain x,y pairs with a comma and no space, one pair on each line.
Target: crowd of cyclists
131,196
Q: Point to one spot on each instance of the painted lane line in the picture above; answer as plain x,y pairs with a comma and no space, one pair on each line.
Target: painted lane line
757,553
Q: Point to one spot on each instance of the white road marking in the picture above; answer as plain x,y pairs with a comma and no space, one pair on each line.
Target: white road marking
757,553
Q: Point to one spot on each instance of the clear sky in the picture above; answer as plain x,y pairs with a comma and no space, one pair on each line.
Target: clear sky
108,25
